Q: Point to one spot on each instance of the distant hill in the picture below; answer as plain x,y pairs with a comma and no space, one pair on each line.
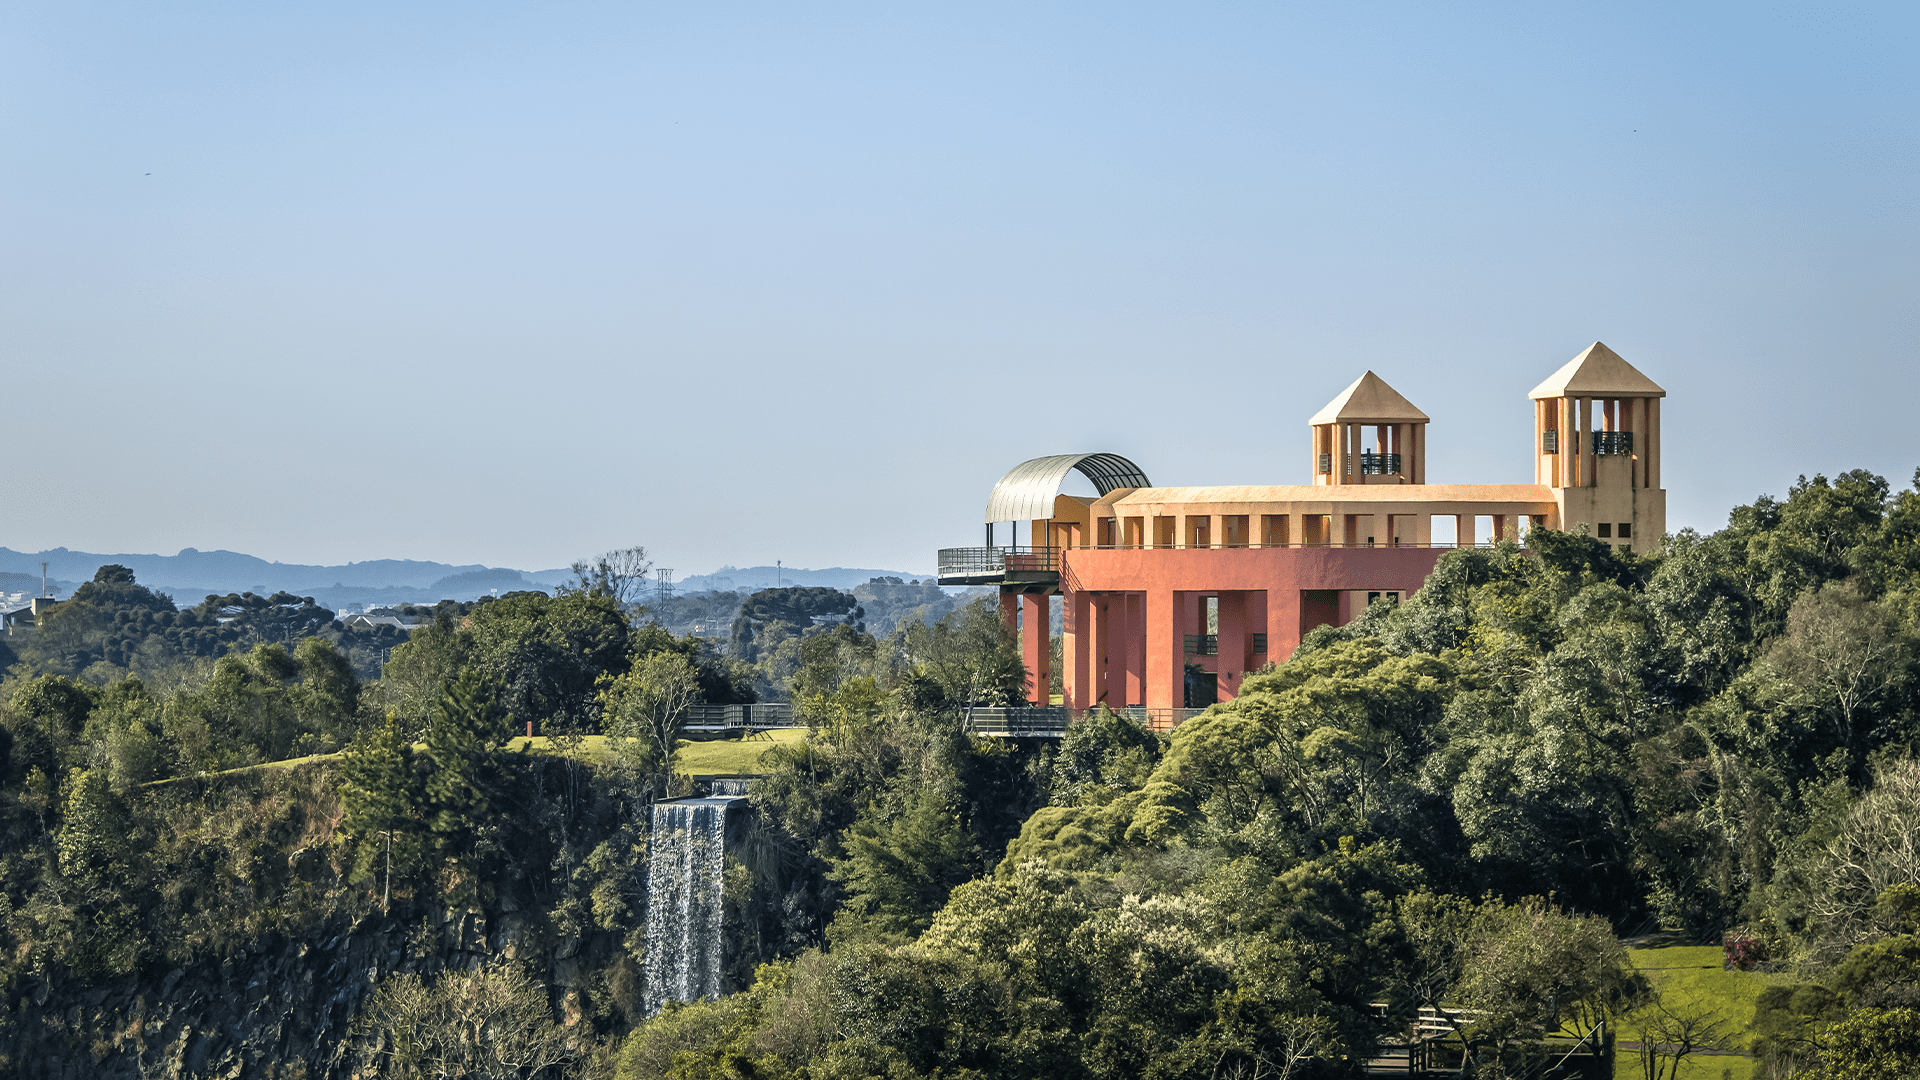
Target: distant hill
30,584
193,574
731,578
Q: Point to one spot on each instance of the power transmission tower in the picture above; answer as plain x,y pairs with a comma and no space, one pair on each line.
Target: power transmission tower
663,583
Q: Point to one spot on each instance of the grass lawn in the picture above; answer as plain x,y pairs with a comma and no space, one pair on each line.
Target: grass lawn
731,756
719,756
1691,976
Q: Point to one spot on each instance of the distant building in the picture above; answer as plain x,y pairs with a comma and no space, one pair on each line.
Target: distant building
1144,571
23,620
368,622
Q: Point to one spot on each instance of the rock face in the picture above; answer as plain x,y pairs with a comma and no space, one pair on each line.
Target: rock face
283,1008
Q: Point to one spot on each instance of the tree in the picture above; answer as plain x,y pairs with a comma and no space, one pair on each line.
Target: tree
1669,1034
1870,1044
898,873
1877,848
467,724
1839,654
645,708
1525,969
620,575
970,654
382,799
546,654
484,1025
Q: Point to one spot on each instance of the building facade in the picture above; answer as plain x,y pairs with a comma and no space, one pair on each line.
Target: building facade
1173,594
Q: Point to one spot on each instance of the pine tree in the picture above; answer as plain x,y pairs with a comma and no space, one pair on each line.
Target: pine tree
467,724
383,800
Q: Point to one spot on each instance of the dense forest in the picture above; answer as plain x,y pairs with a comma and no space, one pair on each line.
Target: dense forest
232,845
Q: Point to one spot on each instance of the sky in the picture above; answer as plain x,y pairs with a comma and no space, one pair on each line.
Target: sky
515,283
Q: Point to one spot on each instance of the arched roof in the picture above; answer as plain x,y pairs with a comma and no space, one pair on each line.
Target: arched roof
1027,492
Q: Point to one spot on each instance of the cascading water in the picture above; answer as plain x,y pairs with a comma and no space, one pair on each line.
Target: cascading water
686,866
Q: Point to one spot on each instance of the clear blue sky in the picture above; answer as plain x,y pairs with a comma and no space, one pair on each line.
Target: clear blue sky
513,283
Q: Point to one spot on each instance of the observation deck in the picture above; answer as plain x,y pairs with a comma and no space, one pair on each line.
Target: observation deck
999,566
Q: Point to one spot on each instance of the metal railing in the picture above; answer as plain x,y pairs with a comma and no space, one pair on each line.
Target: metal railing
1052,721
1203,644
771,714
991,562
1032,721
1606,443
1379,464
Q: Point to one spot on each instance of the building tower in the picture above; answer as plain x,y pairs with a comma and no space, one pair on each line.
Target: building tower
1369,435
1597,445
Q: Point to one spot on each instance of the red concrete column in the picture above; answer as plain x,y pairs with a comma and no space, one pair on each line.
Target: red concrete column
1076,652
1283,623
1099,633
1135,646
1036,645
1165,659
1010,610
1233,643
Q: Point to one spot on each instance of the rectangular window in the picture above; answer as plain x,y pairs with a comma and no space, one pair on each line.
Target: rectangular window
1550,441
1626,530
1606,531
1326,463
1260,644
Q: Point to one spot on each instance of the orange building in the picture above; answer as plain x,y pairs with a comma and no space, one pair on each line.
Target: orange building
1172,595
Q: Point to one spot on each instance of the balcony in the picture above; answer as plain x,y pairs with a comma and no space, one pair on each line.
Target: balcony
999,565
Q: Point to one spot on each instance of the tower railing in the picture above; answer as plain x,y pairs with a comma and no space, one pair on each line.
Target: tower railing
1610,443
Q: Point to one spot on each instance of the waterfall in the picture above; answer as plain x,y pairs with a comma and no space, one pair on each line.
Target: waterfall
686,864
730,785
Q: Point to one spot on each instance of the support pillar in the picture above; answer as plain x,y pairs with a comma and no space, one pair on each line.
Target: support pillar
1166,677
1100,634
1283,624
1036,645
1076,653
1233,643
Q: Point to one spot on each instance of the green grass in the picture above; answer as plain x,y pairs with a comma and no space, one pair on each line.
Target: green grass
730,756
1691,976
703,758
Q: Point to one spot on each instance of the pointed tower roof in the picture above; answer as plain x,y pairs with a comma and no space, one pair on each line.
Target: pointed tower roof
1369,401
1598,372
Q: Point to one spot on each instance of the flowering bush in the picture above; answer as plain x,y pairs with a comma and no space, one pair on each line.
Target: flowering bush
1743,951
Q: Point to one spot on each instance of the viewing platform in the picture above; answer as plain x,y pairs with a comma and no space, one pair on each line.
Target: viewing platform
999,566
1052,721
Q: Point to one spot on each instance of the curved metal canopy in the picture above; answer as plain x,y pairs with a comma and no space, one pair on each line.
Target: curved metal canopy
1027,492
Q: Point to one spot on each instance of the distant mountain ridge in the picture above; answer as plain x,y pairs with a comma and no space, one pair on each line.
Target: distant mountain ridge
750,578
193,574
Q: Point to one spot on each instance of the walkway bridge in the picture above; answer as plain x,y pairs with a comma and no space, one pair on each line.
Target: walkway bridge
1052,721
